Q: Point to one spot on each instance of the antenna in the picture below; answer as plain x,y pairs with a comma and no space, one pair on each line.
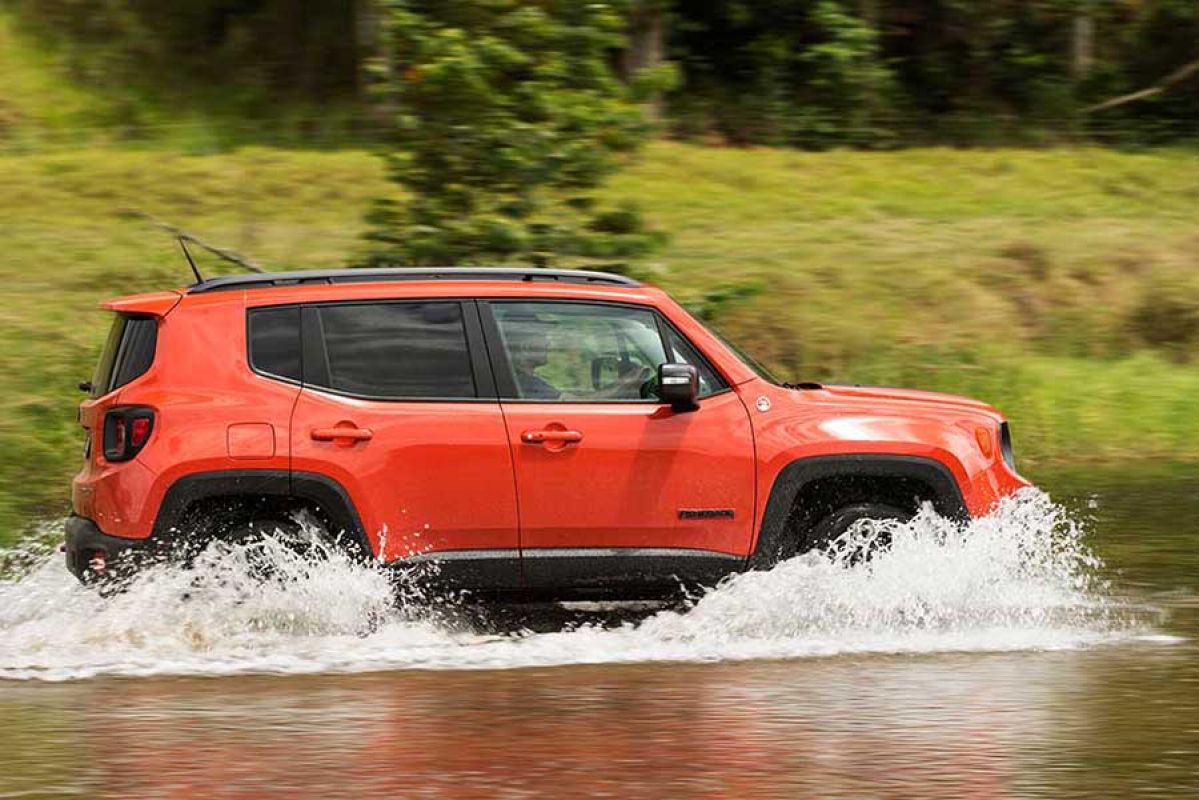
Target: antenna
183,237
191,261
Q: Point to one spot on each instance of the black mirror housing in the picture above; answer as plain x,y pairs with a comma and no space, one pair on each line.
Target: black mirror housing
678,385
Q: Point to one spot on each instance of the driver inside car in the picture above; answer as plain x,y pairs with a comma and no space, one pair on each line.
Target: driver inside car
528,350
529,343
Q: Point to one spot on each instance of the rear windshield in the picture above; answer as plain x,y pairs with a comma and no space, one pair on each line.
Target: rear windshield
127,355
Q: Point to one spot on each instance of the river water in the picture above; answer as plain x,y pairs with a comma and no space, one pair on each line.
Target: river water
1049,651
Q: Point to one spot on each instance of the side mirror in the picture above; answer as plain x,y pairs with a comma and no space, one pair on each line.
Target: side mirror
678,384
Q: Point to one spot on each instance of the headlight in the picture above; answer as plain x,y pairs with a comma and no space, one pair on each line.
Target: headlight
1005,446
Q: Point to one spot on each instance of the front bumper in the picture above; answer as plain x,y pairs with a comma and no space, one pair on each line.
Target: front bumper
84,541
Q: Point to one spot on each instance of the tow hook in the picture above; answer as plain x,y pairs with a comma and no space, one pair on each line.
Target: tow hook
98,563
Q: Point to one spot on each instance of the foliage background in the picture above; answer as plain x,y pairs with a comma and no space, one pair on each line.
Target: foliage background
877,192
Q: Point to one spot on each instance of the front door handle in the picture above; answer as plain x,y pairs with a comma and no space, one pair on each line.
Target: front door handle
341,433
551,436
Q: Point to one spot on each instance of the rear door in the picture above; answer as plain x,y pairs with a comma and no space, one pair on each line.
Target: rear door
613,485
399,407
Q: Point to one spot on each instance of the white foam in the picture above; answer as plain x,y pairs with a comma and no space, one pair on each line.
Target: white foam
1019,579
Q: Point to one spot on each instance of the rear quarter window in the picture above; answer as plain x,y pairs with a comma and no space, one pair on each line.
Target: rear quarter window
127,355
275,342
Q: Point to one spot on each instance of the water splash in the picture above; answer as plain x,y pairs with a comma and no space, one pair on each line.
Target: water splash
1019,579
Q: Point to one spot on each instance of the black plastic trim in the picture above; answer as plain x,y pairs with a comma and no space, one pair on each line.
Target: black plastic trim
625,567
303,277
569,569
124,416
314,361
476,344
326,493
772,541
335,501
488,570
82,537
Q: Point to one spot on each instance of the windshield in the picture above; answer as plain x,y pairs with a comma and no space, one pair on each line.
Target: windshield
751,362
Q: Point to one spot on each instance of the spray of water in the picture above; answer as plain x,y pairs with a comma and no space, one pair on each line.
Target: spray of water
1018,579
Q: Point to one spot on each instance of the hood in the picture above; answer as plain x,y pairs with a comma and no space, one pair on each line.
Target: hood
912,398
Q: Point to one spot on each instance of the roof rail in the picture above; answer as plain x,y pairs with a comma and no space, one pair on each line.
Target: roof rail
308,277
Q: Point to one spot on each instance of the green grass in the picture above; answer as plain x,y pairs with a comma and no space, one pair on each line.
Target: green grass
1007,275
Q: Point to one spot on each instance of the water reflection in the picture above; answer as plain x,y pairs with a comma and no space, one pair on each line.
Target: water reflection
929,727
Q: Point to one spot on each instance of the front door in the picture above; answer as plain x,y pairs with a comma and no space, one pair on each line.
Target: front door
612,484
399,407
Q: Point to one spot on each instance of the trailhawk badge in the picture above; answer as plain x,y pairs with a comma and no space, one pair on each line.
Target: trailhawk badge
763,403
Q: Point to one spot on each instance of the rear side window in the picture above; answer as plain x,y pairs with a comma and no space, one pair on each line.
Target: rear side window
397,350
275,342
128,353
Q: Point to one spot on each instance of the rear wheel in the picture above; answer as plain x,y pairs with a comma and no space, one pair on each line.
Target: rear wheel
268,541
265,535
840,534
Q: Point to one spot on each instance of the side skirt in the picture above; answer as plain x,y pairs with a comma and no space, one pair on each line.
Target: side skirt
570,569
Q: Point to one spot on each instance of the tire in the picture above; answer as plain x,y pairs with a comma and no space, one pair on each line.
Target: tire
828,535
253,535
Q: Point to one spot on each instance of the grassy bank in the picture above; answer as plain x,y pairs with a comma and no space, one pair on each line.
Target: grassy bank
1050,283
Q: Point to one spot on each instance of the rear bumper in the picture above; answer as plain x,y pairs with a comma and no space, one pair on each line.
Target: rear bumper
85,541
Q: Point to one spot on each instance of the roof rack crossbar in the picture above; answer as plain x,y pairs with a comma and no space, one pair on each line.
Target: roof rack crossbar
269,279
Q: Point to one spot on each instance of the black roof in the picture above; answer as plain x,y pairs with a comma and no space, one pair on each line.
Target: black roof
305,277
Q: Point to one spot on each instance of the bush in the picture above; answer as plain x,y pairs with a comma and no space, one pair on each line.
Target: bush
1167,317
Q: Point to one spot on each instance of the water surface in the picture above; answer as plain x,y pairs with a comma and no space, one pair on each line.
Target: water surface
1002,661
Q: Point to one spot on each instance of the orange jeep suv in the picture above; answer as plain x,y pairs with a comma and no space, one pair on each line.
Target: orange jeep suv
527,430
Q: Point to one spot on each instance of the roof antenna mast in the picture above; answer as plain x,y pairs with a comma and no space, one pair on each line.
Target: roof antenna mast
184,237
191,261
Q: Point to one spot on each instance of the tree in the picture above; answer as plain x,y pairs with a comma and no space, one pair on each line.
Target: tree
646,50
508,114
781,72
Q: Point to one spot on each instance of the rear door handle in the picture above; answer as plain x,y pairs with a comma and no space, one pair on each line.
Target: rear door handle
541,437
347,434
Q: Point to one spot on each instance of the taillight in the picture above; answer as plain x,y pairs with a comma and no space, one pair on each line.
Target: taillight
139,431
126,431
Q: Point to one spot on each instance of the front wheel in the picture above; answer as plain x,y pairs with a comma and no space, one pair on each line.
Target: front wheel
840,535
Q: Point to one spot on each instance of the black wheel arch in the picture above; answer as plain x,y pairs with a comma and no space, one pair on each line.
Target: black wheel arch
775,539
305,489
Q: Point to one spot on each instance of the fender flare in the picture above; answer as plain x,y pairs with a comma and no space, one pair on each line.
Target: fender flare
326,493
771,543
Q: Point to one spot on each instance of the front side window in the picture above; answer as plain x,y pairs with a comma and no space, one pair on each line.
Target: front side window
580,352
397,350
683,352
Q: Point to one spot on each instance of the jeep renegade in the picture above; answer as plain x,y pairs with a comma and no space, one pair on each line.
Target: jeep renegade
527,430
